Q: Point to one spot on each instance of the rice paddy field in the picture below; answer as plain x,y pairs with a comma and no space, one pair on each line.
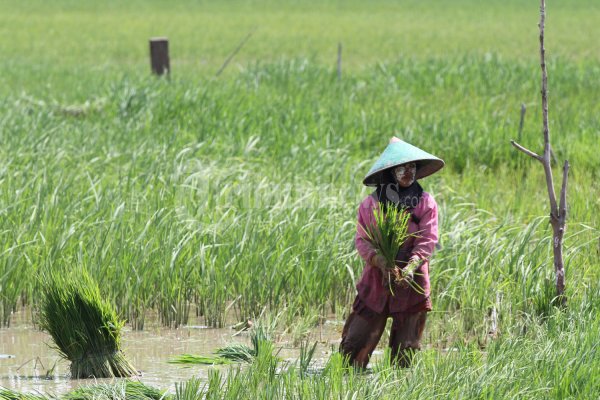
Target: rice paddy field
197,202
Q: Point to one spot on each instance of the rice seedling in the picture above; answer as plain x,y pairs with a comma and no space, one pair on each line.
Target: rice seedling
307,353
84,326
190,390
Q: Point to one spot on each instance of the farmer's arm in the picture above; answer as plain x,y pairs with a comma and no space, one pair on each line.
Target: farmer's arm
365,249
428,228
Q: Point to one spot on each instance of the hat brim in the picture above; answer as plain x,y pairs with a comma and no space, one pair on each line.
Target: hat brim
425,168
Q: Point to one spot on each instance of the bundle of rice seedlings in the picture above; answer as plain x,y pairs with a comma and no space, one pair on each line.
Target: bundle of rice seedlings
387,235
237,353
259,336
9,394
84,326
126,390
224,355
196,359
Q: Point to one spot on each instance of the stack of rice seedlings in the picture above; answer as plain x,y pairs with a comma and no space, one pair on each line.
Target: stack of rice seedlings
223,355
260,338
194,359
237,353
8,394
126,390
84,326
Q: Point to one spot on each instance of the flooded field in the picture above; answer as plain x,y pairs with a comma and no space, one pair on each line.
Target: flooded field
29,364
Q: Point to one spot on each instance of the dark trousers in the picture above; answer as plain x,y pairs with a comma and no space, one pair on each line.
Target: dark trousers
362,333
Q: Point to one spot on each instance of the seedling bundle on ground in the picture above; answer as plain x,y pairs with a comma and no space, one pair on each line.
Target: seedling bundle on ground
84,326
260,339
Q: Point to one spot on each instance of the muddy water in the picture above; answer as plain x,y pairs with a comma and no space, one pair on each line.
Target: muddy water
29,364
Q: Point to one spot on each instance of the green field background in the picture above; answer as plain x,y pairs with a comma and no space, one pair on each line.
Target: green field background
227,196
60,43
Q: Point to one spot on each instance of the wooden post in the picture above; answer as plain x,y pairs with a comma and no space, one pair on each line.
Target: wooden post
159,55
523,109
339,61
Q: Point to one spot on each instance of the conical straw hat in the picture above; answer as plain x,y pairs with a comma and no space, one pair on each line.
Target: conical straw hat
399,152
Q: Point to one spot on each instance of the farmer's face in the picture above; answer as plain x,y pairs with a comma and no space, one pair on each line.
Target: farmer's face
405,174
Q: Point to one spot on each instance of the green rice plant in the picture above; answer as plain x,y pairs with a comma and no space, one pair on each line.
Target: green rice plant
544,300
165,225
307,353
190,390
526,366
214,386
83,325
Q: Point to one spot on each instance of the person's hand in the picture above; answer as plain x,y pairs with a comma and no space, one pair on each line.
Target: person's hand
380,262
408,273
413,264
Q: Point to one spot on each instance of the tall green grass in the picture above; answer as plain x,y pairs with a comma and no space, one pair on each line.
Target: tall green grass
242,194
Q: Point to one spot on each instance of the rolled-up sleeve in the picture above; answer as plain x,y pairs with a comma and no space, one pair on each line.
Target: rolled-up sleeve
365,218
427,235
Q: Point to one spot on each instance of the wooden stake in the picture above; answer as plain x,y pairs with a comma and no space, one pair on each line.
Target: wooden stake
523,109
159,56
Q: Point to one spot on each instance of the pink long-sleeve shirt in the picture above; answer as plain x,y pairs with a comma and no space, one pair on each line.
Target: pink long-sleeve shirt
424,225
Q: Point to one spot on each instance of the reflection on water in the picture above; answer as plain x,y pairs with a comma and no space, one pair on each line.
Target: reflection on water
37,367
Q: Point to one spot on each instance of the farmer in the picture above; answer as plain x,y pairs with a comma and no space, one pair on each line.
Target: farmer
394,176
